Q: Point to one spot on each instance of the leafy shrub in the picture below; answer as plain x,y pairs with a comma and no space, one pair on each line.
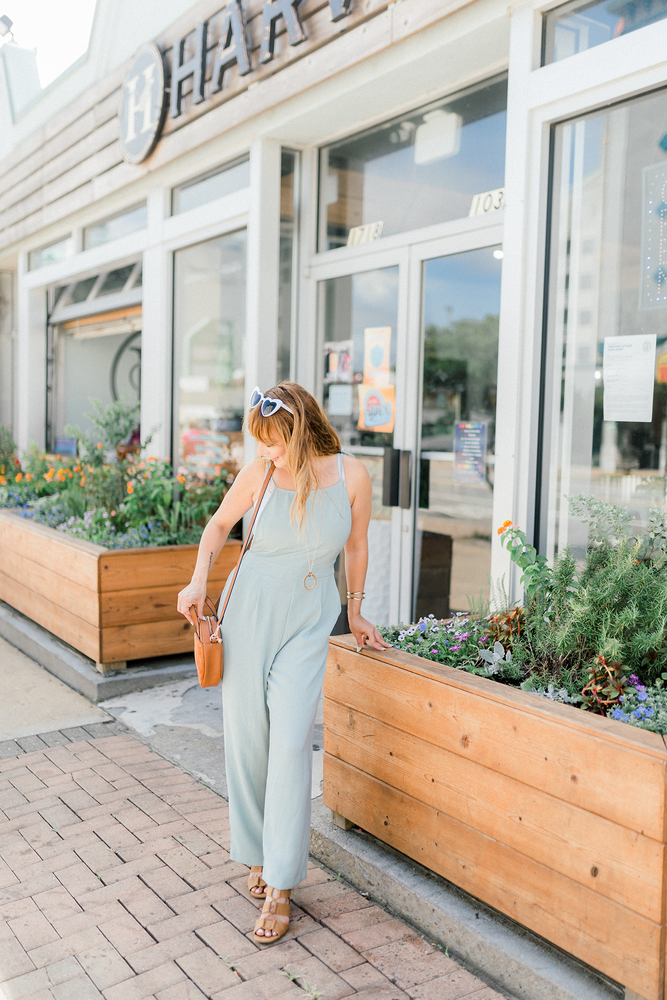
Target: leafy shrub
121,503
585,636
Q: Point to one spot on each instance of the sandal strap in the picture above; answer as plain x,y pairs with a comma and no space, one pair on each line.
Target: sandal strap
255,879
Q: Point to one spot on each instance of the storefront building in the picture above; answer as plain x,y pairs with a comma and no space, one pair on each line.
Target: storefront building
435,216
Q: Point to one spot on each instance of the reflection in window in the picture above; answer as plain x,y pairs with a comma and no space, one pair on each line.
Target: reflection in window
578,26
288,246
209,332
455,486
114,228
608,280
115,281
414,171
217,184
51,254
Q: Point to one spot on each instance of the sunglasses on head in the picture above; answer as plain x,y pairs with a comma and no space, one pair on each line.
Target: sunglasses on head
269,405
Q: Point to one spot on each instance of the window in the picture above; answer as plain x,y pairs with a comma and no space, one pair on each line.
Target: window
413,171
125,279
578,26
209,335
51,254
6,349
605,417
114,228
217,184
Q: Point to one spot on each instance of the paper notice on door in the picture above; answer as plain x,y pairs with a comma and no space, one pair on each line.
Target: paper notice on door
629,375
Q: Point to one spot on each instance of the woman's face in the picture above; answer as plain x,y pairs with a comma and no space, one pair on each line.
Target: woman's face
274,451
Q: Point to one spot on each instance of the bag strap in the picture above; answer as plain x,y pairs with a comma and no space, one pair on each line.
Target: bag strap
248,539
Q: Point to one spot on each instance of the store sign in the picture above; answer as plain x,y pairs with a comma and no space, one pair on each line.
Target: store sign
143,104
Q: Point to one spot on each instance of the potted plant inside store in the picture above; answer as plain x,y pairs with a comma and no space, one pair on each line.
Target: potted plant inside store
543,795
95,547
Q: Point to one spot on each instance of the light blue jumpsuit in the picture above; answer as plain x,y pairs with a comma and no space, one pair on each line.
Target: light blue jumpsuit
275,635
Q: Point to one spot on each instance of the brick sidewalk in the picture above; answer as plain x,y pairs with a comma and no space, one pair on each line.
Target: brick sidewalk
115,882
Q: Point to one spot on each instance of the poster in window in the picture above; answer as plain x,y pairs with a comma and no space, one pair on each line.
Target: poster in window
377,356
653,276
338,365
469,453
376,409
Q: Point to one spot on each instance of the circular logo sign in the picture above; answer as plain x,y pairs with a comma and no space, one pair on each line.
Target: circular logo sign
143,105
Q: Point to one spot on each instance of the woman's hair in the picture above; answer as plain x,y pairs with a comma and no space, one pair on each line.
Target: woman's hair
306,435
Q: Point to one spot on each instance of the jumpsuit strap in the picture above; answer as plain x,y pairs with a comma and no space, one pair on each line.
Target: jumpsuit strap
341,467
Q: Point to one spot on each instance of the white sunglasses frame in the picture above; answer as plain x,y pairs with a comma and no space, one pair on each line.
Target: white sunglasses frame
260,402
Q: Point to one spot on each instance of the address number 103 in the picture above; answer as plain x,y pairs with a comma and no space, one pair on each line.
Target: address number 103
487,202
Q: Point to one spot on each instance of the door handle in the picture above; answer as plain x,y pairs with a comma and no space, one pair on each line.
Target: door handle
391,468
396,478
404,482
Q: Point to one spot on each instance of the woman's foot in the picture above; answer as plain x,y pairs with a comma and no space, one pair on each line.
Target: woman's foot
274,921
256,884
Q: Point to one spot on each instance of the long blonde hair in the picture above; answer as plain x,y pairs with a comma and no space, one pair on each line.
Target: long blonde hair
306,435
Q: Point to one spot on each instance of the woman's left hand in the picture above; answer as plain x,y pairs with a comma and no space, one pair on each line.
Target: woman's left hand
363,632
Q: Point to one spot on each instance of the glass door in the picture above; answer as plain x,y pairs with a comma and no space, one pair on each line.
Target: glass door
360,314
460,306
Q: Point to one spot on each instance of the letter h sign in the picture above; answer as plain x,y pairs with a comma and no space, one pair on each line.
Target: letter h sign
195,67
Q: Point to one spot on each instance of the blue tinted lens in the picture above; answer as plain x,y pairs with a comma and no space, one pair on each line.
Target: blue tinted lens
269,406
255,398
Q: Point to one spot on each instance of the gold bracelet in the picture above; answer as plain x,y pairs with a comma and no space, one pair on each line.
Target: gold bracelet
357,595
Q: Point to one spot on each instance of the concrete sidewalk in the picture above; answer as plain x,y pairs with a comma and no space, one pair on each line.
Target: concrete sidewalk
115,882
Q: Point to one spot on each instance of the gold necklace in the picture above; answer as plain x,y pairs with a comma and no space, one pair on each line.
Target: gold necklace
311,562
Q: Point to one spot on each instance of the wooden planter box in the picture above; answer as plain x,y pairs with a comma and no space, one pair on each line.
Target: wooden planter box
551,815
113,605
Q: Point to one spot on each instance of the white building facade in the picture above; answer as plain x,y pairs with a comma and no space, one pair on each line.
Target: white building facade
433,215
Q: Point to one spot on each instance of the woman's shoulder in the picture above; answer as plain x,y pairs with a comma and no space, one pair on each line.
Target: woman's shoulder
356,472
251,476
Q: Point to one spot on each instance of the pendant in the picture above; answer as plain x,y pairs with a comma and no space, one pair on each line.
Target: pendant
313,578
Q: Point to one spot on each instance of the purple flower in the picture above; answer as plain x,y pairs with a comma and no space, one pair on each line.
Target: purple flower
434,650
454,648
634,678
640,687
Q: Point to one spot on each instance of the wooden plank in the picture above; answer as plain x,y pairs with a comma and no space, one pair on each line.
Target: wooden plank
134,642
69,557
546,746
609,937
168,565
61,623
592,851
80,600
151,604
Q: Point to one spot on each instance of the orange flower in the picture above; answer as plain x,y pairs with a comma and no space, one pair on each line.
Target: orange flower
99,446
180,479
16,461
504,526
28,477
2,470
3,481
83,481
49,475
19,477
130,488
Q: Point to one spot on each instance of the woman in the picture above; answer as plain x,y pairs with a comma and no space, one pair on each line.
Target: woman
283,607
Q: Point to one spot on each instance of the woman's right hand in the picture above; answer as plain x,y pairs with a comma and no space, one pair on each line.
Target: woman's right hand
194,593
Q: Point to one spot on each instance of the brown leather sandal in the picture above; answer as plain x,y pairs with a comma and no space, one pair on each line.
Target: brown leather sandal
275,916
256,884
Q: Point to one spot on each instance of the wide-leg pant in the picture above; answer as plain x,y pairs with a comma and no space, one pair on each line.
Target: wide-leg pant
275,649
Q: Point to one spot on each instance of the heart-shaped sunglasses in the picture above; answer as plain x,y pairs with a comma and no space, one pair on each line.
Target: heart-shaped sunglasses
269,405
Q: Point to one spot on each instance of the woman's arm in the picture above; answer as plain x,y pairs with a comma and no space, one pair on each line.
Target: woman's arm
237,501
356,551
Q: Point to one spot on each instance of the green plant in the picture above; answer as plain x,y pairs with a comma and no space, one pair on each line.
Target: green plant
642,706
115,425
536,574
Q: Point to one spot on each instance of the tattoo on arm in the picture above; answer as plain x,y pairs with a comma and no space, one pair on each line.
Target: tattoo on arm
210,561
